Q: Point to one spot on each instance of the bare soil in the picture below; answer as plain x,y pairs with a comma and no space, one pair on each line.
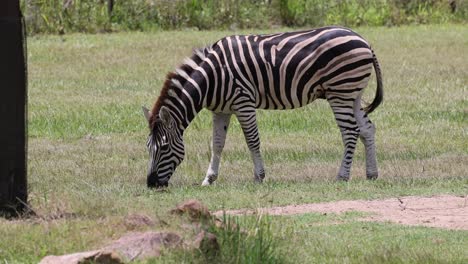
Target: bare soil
443,211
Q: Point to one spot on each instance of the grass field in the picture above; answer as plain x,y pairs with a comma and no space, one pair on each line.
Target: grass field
87,157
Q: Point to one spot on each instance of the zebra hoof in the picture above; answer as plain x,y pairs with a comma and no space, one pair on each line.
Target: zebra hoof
372,176
205,183
342,178
259,178
209,179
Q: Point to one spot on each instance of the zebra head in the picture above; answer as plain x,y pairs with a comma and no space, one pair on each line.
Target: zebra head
165,145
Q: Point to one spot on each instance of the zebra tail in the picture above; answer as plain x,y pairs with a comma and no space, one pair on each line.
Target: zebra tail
379,93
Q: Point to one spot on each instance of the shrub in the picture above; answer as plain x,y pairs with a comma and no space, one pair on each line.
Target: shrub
61,16
247,241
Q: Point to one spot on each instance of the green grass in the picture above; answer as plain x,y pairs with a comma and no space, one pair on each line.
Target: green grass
87,156
363,242
332,238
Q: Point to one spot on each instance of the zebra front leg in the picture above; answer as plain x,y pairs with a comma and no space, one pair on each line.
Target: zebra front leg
248,121
344,115
220,126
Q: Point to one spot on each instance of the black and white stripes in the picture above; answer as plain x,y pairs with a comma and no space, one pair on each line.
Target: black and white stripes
239,74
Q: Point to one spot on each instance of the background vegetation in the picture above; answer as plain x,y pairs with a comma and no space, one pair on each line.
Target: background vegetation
65,16
87,156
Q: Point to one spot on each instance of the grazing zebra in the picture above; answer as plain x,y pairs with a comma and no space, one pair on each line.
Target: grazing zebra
239,74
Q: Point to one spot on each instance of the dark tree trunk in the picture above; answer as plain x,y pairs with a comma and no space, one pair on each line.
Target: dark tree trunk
110,7
13,184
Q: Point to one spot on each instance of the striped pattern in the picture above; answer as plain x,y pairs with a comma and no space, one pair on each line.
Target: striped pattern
239,74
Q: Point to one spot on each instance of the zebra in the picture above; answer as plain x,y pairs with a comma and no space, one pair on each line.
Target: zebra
241,73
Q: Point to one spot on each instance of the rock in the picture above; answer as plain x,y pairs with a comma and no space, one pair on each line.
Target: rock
135,221
95,256
144,245
222,225
206,242
136,246
218,223
195,209
105,258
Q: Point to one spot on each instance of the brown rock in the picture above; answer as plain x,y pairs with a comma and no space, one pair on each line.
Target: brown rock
195,209
104,258
143,245
135,221
136,246
218,223
95,256
206,242
221,224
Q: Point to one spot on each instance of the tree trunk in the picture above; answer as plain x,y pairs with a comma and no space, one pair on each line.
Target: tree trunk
13,184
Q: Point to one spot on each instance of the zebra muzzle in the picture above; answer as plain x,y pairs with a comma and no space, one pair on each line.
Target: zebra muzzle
153,182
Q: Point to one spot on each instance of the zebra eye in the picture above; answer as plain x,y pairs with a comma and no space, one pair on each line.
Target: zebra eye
164,146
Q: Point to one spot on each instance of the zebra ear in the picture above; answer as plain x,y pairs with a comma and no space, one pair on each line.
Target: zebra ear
165,116
146,113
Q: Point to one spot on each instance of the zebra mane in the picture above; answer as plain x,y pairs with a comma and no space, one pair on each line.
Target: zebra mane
177,79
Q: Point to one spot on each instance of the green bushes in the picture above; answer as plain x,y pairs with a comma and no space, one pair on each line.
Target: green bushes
62,16
59,16
247,239
371,12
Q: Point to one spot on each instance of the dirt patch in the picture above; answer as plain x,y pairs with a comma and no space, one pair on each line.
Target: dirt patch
444,211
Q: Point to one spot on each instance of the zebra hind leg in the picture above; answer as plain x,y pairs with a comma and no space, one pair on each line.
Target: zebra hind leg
220,126
344,115
367,136
247,120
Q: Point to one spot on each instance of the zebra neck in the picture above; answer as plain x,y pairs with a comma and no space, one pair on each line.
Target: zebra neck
184,92
182,112
185,102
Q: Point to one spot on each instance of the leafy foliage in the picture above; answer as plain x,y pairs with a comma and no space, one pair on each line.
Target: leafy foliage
62,16
244,241
87,158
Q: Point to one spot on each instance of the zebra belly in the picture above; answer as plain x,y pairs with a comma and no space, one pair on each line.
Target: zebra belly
314,94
